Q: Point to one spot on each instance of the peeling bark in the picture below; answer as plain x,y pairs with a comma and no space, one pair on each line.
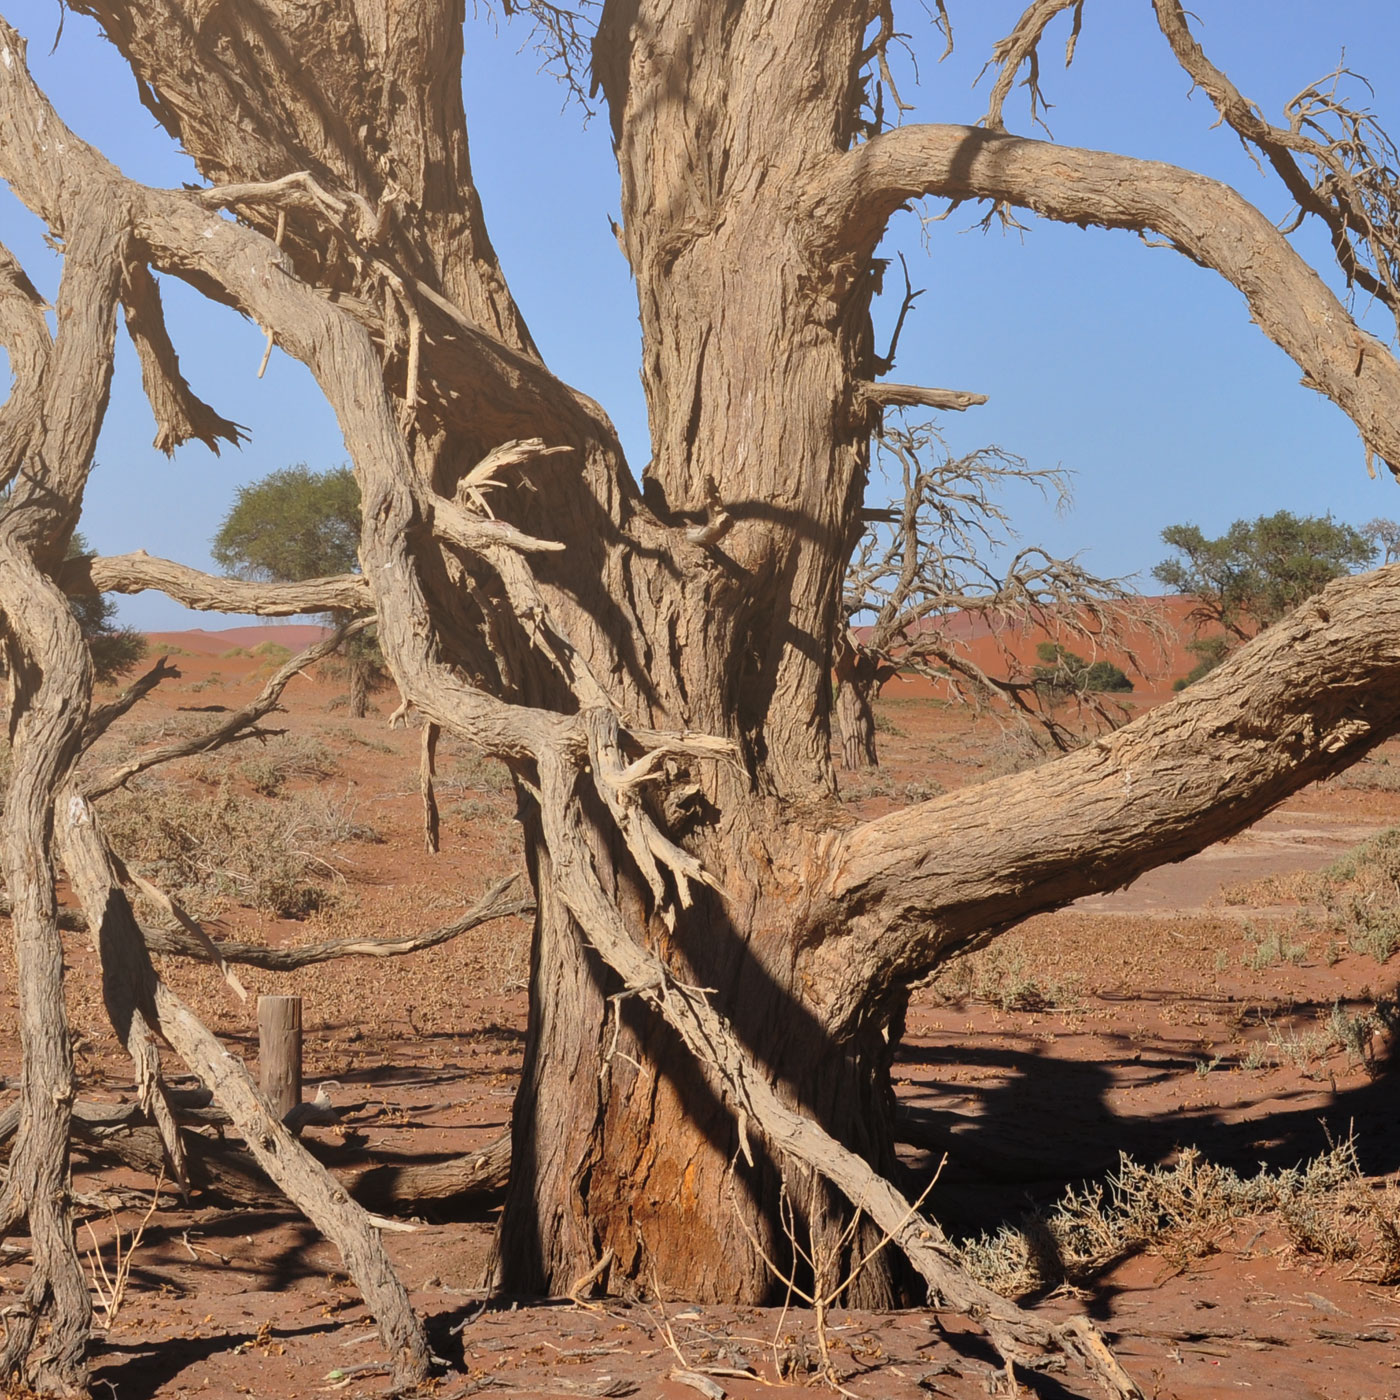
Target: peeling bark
653,659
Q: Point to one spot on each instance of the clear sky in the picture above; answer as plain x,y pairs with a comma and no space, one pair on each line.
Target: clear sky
1124,364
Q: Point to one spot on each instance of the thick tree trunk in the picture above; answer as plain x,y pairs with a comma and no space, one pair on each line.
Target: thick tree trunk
707,601
359,686
619,1143
860,674
52,679
855,722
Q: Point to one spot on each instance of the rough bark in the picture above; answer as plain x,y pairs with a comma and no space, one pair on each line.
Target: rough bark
125,1133
130,983
584,629
1206,220
1306,699
52,436
859,676
855,721
37,1185
135,573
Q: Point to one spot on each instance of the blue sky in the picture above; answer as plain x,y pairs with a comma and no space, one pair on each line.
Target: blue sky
1124,364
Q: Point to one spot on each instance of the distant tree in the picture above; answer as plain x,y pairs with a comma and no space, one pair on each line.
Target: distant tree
1063,672
925,568
1385,535
298,524
1260,570
115,650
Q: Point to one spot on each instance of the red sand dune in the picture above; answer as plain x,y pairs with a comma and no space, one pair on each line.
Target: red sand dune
292,635
1162,659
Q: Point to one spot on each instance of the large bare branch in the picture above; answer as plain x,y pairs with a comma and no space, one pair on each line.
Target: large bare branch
1353,186
181,415
310,1187
139,572
51,679
888,395
1304,700
1206,220
499,902
25,335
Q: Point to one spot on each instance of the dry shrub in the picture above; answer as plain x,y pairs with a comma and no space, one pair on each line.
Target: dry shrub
1370,775
287,757
469,769
1000,976
1359,894
226,848
1299,885
1325,1209
1015,749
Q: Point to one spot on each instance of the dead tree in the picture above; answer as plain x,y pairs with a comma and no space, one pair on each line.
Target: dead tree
721,956
923,572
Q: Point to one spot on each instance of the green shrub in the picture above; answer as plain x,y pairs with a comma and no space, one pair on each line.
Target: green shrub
1062,672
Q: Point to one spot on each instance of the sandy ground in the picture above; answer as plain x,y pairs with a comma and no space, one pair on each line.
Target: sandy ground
1134,1022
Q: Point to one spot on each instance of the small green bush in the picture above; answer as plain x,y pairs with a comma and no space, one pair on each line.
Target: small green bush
1063,672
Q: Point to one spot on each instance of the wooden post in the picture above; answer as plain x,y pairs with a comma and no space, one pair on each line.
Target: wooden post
279,1051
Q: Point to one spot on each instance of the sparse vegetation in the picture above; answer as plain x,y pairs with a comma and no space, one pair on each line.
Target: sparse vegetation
1361,894
227,848
1370,775
282,760
885,725
1325,1208
469,769
1001,978
1271,948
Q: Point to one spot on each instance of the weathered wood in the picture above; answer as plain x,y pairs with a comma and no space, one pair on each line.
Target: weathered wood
588,625
499,902
474,1177
427,767
220,1167
51,684
136,573
1305,699
888,395
279,1052
1205,219
304,1181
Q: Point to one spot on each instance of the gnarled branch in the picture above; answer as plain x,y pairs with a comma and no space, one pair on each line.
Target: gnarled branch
916,396
1205,219
139,572
181,415
1304,700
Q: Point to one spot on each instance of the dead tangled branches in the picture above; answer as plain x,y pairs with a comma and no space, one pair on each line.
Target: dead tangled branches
1022,46
923,573
580,635
1334,158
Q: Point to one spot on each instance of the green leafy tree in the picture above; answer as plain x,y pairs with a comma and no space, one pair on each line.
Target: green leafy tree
1064,672
298,524
1257,572
115,650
